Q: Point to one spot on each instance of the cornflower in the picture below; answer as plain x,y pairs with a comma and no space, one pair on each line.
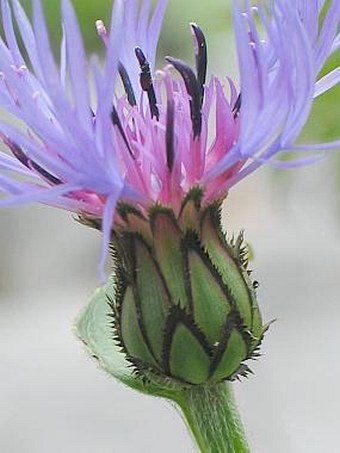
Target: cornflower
138,162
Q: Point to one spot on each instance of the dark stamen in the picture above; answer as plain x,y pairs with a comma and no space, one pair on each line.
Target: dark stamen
127,84
21,156
146,81
237,106
194,91
116,122
201,57
18,153
169,135
52,179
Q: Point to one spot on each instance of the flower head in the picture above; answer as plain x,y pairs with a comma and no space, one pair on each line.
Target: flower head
150,144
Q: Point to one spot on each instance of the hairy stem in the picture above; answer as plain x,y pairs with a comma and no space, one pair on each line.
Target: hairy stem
213,419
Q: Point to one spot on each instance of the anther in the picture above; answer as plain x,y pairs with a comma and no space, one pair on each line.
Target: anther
21,156
45,174
201,57
17,152
116,122
193,89
169,134
237,106
146,81
127,84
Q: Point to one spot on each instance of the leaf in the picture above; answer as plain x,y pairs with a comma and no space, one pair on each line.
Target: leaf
93,328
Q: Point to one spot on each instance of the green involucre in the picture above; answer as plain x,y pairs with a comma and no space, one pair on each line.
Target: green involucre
184,306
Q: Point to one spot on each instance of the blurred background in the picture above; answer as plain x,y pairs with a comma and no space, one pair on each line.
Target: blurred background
52,396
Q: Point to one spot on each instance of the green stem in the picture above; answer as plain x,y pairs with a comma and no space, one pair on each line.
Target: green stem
213,419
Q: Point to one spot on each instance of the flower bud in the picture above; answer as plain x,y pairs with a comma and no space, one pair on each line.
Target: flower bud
184,306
